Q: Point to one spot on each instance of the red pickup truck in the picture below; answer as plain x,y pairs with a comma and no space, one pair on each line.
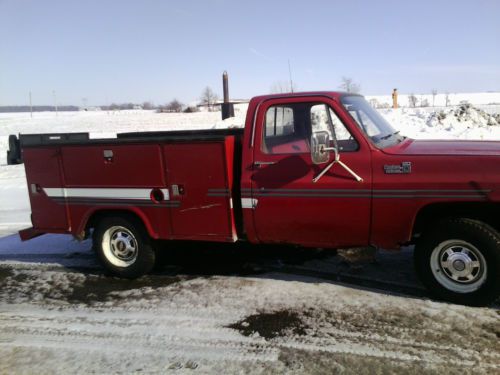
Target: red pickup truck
320,169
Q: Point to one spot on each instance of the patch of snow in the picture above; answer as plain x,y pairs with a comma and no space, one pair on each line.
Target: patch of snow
454,99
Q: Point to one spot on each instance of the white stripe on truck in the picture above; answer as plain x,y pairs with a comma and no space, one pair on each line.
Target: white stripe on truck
114,193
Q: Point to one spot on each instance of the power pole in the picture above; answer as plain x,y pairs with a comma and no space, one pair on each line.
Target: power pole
31,107
55,100
290,74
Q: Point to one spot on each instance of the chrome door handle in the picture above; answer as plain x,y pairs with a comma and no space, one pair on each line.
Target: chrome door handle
258,164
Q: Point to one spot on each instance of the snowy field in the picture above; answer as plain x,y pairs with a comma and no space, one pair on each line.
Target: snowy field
218,309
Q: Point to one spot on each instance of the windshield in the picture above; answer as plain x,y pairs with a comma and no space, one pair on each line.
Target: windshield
371,122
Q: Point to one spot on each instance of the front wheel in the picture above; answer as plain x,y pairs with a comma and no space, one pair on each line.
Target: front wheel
124,246
459,261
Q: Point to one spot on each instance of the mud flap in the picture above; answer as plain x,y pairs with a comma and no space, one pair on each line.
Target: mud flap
29,233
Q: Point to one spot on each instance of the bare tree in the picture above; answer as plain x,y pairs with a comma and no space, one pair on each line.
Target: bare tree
208,97
147,105
374,103
347,84
280,87
412,100
174,106
434,93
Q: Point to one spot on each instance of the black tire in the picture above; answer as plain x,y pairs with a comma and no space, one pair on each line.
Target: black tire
123,246
458,260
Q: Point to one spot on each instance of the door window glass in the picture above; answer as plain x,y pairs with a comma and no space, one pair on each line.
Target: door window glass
279,121
323,118
288,129
285,130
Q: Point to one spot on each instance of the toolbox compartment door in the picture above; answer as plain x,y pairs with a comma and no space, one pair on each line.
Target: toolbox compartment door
200,177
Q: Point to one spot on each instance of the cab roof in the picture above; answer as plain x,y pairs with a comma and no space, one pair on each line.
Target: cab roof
331,94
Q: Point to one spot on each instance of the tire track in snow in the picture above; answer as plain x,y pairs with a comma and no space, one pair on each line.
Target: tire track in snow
187,321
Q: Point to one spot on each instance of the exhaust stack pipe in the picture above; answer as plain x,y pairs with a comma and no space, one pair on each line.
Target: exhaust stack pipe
225,86
227,107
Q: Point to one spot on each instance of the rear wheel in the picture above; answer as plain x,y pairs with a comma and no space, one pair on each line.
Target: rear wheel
459,261
124,246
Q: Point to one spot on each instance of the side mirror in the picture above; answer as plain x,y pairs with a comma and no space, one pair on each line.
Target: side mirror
320,150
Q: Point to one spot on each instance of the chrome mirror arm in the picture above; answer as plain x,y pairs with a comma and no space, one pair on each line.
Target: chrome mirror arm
316,179
352,173
336,161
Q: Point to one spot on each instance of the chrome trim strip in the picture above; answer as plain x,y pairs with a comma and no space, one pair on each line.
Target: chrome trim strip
372,196
113,193
433,191
432,196
116,203
271,191
369,190
254,123
313,195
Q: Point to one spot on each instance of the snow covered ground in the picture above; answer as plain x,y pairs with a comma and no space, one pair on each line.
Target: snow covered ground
479,99
226,310
215,309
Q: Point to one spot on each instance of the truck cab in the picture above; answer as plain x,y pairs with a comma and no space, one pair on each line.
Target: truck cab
284,200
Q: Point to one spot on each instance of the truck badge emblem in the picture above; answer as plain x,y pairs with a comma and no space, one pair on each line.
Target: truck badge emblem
404,168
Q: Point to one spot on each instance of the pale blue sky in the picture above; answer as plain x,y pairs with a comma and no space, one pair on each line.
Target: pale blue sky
125,50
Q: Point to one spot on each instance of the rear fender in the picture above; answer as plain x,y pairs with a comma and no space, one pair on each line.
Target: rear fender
92,216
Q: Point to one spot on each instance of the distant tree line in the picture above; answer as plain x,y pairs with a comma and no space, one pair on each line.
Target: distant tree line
208,99
117,107
172,106
37,108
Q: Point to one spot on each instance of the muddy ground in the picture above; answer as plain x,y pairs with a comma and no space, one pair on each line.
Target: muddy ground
220,309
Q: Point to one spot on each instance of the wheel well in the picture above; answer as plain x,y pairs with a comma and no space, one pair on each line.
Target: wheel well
100,214
486,212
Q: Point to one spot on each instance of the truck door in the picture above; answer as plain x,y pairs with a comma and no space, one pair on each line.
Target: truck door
288,206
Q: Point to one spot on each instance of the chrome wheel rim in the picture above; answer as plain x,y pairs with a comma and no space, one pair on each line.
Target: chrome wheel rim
458,266
120,246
